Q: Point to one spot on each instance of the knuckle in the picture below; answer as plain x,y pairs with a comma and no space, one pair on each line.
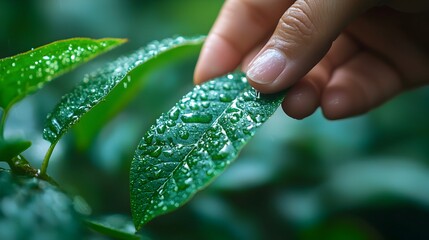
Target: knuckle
297,23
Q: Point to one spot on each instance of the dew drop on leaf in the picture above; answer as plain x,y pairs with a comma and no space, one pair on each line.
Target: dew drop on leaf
174,114
205,104
161,129
196,118
211,130
183,134
156,152
225,98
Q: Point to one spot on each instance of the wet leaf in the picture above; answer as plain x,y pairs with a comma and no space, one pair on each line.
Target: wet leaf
118,78
12,148
33,209
194,142
25,73
115,226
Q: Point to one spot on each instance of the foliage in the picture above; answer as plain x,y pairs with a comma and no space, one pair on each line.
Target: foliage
27,72
194,142
363,177
189,146
33,208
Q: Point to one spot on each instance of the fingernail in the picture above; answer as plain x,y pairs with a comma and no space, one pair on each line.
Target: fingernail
266,67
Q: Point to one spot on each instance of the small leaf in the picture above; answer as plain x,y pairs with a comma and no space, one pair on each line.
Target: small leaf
12,148
115,226
97,86
194,142
25,73
33,209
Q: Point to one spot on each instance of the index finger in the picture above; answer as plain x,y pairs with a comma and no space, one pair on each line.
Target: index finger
240,26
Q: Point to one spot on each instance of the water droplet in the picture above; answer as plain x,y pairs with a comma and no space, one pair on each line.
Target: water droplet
247,96
170,123
257,94
224,152
203,96
205,104
148,138
188,181
215,143
235,117
226,86
248,129
183,134
259,118
56,125
224,98
196,118
168,153
193,105
182,106
161,129
156,152
194,96
186,166
174,114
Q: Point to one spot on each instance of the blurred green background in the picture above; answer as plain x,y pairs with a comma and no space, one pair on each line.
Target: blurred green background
360,178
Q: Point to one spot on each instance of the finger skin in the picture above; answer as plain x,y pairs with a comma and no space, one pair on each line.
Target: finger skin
363,83
389,53
240,27
303,36
304,97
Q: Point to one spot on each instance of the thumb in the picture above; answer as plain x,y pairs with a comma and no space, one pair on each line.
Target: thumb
303,36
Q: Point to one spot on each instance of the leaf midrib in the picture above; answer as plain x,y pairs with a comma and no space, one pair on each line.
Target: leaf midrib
196,144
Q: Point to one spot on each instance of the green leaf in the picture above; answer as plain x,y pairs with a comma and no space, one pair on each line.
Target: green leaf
118,78
115,226
12,148
25,73
34,209
194,142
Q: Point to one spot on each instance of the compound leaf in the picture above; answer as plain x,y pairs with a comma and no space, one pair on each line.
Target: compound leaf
25,73
194,142
117,78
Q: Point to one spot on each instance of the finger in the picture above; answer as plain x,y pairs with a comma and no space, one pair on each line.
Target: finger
361,84
302,37
385,31
304,97
250,55
241,25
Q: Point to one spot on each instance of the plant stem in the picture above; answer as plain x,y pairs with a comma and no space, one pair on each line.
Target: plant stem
45,162
3,122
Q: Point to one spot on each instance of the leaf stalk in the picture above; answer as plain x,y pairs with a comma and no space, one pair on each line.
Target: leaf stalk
3,122
45,162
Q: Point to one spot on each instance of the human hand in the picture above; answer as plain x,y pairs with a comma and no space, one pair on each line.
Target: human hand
347,57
